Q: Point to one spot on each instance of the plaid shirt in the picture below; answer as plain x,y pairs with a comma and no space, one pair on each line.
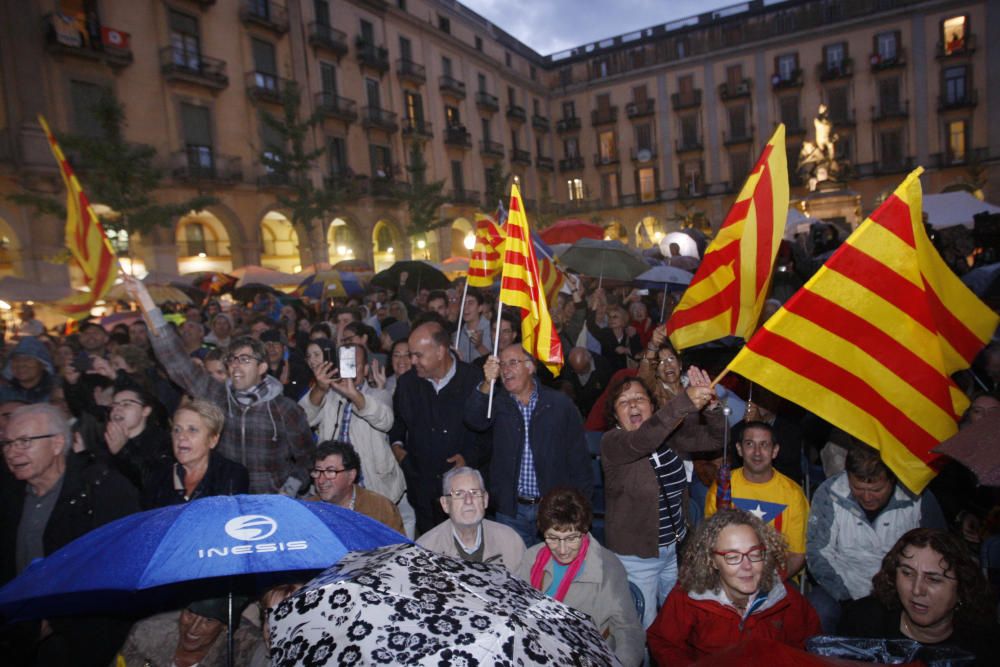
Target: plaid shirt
527,483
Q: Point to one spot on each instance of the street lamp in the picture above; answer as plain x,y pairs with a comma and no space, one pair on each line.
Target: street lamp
470,241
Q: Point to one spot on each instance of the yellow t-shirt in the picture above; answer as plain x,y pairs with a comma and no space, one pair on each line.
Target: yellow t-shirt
779,502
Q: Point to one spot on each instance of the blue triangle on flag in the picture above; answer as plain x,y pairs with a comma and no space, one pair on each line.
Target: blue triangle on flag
765,511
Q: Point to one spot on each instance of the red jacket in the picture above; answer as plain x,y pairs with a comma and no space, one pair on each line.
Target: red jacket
687,629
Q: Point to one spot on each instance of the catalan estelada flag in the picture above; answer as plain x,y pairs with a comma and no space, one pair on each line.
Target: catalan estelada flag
487,255
85,240
727,293
870,342
521,287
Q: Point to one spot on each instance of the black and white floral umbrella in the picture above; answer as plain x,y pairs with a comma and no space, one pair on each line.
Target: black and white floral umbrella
404,605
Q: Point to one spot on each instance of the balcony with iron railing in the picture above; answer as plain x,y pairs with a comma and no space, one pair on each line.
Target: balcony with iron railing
880,62
544,163
266,14
202,248
463,196
604,116
831,71
606,158
967,99
571,124
487,102
489,148
540,123
951,158
731,91
110,46
794,79
407,70
417,127
323,36
449,85
380,119
202,164
643,154
688,144
192,67
964,48
640,109
265,86
335,106
574,163
686,100
457,136
891,110
371,55
520,156
742,136
516,114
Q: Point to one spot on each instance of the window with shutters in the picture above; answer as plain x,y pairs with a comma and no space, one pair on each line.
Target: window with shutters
484,123
273,143
337,153
85,98
367,32
405,49
888,95
265,65
373,94
457,179
196,123
609,188
957,135
737,121
739,167
647,184
322,10
328,82
184,41
644,136
689,131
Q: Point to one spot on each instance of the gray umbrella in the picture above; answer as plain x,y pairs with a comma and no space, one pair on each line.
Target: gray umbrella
603,259
404,605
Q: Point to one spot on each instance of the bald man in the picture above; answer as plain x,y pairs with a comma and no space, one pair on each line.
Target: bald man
584,377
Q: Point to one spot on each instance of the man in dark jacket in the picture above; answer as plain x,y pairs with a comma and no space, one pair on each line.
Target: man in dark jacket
538,441
53,499
428,436
584,377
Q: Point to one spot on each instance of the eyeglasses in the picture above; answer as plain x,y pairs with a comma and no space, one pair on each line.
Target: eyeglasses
329,473
511,363
242,360
24,442
127,403
754,555
462,494
664,360
569,540
631,400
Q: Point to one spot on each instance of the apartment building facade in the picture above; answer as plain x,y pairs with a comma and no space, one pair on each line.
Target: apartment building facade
639,132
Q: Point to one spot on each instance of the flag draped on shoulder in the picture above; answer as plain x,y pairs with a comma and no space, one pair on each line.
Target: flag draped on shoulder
870,342
521,286
727,293
487,255
85,240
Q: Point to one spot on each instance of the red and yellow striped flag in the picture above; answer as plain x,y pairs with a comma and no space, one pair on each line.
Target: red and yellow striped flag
870,341
85,240
727,293
521,286
487,255
552,279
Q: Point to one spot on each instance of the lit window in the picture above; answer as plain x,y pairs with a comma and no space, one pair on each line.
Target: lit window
953,35
575,186
647,184
956,141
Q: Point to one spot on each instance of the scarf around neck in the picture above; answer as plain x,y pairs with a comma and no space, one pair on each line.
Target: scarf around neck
542,559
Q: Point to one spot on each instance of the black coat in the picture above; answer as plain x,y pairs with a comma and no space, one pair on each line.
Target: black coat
92,495
585,395
558,446
431,427
223,478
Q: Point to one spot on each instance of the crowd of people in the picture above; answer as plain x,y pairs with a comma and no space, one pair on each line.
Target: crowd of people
607,486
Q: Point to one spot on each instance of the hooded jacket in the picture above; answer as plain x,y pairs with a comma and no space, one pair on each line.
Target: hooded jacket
29,346
265,431
691,626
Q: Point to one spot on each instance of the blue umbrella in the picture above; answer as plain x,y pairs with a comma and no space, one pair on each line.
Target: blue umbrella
673,278
205,539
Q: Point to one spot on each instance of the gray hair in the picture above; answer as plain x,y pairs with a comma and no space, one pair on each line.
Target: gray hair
455,472
55,418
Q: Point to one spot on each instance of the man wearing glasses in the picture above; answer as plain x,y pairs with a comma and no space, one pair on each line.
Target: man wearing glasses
54,498
467,534
538,441
265,431
335,475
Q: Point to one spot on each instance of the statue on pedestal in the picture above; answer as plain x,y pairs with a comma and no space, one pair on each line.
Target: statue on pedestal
818,159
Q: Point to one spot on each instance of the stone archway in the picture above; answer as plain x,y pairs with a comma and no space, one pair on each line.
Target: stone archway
387,244
462,238
279,243
649,231
616,231
344,239
203,243
10,249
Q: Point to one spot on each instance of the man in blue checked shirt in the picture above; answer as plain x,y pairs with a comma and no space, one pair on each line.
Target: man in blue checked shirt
538,441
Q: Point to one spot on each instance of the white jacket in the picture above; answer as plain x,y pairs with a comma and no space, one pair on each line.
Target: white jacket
844,550
368,431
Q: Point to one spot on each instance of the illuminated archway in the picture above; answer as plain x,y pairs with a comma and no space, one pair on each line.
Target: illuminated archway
343,240
462,239
387,245
202,244
649,232
9,250
279,243
615,231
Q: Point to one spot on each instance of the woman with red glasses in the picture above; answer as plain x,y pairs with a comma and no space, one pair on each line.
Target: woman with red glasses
730,589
